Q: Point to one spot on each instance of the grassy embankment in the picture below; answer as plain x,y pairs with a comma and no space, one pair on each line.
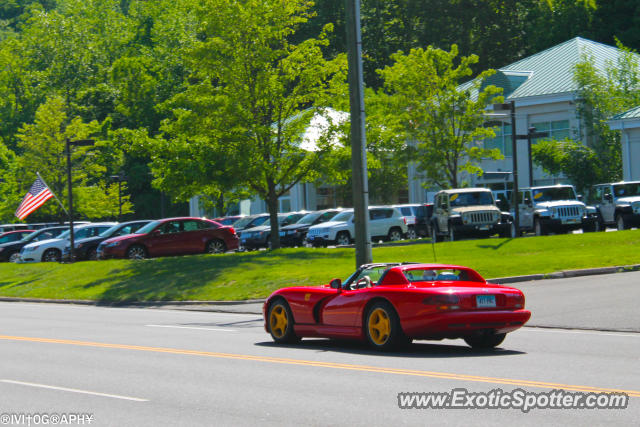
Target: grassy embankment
256,274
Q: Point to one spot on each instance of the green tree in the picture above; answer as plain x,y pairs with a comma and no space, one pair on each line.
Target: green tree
446,122
249,103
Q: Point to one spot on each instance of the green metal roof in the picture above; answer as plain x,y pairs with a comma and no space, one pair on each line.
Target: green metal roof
550,72
633,113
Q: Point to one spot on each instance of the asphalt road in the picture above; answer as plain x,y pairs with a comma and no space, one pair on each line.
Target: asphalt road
130,366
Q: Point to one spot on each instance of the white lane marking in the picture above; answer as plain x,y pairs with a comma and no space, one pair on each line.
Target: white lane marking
192,327
568,331
74,390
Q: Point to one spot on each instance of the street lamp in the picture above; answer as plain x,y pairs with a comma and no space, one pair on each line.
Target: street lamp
531,134
78,143
119,178
511,107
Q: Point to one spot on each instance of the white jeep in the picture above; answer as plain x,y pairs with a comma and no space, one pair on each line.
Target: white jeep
470,212
618,204
554,208
385,222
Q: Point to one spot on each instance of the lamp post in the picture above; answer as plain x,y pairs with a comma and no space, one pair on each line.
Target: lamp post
511,107
531,134
119,178
69,143
358,140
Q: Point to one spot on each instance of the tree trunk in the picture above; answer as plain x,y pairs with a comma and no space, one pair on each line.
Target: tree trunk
272,204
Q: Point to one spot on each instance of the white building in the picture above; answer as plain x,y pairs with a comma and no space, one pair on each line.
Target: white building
628,123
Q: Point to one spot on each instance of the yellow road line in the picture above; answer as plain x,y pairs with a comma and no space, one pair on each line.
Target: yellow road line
332,365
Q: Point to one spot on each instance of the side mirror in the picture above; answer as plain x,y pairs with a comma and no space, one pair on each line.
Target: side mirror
608,197
336,284
580,197
527,201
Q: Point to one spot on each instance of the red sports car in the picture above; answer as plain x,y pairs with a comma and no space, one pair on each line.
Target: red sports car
392,304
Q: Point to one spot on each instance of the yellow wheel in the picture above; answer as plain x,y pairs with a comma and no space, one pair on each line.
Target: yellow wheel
379,326
281,322
382,327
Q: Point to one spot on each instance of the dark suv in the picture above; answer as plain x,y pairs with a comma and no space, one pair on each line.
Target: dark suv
418,216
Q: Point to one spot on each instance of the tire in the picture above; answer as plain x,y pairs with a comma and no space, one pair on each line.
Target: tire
411,233
137,252
394,234
485,339
216,247
14,257
539,228
621,224
280,322
382,327
92,254
51,255
343,238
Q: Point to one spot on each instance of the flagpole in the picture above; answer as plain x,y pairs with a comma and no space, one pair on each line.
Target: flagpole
54,194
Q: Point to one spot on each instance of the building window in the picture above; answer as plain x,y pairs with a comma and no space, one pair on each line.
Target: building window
558,130
502,140
285,202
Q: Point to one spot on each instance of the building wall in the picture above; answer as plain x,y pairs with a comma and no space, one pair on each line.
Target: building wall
631,154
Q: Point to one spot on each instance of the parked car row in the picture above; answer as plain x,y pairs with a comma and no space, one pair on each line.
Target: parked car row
456,213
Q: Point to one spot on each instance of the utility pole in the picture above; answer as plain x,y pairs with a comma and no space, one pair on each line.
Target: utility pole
358,137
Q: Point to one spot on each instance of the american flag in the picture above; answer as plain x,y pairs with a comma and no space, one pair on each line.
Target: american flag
37,195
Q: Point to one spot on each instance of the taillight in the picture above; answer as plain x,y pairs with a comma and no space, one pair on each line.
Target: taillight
404,218
443,301
232,230
516,300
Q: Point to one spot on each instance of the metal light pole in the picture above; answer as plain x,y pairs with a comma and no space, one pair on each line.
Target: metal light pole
358,138
69,143
511,107
120,178
531,134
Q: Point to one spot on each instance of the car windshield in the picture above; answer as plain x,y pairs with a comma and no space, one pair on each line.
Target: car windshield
30,237
626,190
242,222
343,216
259,221
109,231
553,194
147,228
438,275
471,199
309,218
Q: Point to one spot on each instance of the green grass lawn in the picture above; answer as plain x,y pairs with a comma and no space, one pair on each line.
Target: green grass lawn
256,274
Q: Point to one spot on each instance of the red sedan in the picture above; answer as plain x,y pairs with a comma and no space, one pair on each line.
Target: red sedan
171,236
392,304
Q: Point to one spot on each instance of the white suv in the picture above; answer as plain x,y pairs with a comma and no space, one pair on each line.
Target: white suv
385,222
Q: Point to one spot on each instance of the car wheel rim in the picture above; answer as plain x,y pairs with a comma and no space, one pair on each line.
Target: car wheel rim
411,234
395,235
278,321
50,256
215,247
14,258
136,253
379,326
343,240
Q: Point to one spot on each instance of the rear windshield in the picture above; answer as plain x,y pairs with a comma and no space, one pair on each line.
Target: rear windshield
441,275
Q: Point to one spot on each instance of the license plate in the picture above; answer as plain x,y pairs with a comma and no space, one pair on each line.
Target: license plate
485,301
571,221
483,227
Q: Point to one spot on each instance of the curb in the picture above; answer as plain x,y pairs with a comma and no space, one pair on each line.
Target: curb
240,306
